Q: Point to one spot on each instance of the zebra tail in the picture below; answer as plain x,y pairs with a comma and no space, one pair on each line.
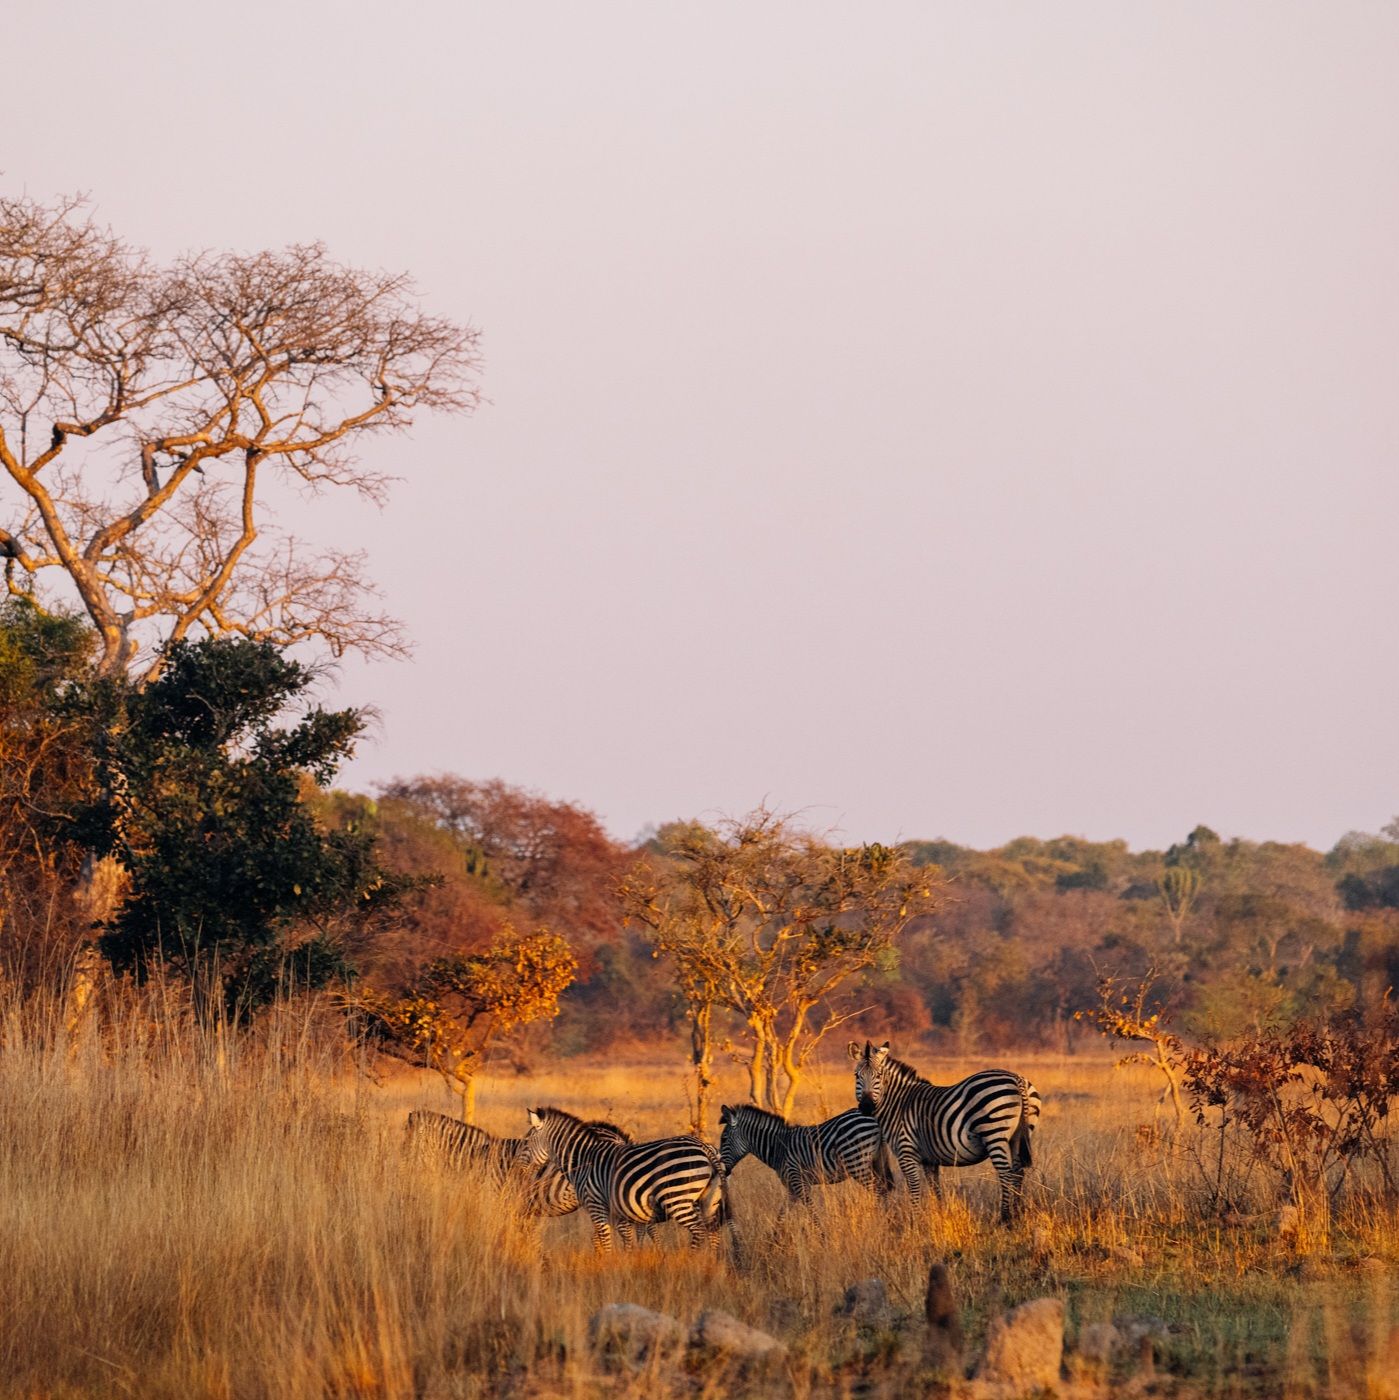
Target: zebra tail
1020,1139
885,1167
714,1201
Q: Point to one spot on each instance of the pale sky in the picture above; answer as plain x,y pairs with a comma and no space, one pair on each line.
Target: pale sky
965,420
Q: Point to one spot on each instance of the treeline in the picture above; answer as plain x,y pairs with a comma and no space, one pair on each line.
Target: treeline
189,822
1239,935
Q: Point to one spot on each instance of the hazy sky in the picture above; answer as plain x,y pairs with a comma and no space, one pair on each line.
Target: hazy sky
960,420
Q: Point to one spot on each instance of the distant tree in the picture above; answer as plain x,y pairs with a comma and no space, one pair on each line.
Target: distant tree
551,862
1179,889
771,924
447,1019
448,909
231,880
143,410
1197,850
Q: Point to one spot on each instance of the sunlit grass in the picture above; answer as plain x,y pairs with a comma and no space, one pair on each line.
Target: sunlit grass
185,1216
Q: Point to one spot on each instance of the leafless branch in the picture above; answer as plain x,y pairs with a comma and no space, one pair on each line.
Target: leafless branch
141,408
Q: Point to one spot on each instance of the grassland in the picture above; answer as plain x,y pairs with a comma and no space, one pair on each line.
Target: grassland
186,1216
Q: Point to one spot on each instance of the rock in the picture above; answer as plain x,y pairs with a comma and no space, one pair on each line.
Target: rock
1025,1348
1098,1341
634,1332
1371,1265
941,1311
722,1334
1287,1222
1128,1258
867,1303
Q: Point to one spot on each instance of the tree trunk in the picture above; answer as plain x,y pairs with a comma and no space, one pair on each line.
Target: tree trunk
468,1100
792,1066
702,1053
758,1065
774,1064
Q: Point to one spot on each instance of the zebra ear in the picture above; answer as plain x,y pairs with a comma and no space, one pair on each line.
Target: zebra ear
883,1052
534,1118
854,1049
724,1113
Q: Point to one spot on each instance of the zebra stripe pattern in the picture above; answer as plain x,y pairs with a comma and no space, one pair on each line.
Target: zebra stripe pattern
624,1185
846,1147
464,1147
989,1115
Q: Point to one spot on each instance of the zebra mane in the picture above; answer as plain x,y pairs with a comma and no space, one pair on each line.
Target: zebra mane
903,1071
753,1111
598,1127
606,1129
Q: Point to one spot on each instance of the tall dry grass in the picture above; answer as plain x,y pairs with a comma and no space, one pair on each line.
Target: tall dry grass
190,1214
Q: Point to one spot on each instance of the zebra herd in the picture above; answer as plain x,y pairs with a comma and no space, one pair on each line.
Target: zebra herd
564,1162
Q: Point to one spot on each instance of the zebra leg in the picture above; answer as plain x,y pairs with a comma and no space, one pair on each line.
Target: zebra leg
602,1230
798,1186
626,1233
863,1173
1009,1178
935,1172
685,1214
912,1168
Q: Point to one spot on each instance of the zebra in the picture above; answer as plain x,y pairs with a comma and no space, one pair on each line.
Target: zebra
465,1147
627,1184
990,1114
846,1147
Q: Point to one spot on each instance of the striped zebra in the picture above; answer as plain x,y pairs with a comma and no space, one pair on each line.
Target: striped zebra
625,1185
991,1114
846,1147
465,1147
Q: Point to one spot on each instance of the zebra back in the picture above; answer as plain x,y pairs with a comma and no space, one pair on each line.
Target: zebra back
465,1147
679,1178
458,1144
845,1146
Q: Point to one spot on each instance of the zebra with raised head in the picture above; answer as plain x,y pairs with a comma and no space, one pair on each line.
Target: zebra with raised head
846,1147
629,1185
988,1115
468,1148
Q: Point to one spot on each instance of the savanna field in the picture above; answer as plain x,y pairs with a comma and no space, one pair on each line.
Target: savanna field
192,1214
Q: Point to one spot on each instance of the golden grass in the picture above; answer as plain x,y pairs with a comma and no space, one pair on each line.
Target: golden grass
235,1218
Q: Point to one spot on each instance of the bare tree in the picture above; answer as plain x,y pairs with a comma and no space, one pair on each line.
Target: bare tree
143,408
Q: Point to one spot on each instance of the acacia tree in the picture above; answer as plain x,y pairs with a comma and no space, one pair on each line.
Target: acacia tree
771,924
144,407
448,1017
